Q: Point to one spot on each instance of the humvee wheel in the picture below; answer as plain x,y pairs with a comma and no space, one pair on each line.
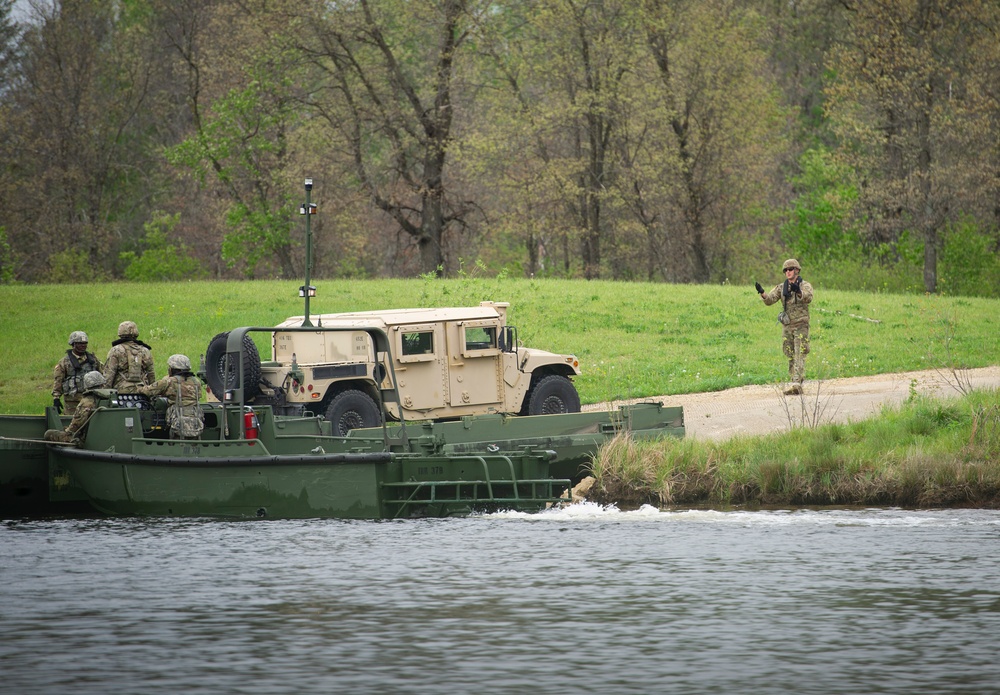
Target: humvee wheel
215,357
554,394
352,410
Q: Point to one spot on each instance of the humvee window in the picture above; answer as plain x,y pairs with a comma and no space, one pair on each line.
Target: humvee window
480,337
418,343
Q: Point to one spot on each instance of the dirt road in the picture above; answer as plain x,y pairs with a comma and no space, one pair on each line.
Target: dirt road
763,409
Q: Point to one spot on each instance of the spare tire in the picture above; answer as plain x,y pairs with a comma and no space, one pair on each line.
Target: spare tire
215,362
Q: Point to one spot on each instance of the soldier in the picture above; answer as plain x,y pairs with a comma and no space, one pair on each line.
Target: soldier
67,376
795,295
182,390
77,429
130,362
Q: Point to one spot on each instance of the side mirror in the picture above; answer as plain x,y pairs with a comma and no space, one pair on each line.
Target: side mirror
508,339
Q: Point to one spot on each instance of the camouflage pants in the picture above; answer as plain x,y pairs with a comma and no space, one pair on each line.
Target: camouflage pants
795,345
59,436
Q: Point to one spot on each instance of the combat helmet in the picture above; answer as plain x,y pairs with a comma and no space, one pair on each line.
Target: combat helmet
128,329
92,380
791,263
77,337
179,363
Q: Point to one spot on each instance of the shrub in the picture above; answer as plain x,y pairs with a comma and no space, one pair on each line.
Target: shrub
161,261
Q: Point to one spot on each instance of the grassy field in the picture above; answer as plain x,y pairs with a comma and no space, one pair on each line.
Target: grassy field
633,339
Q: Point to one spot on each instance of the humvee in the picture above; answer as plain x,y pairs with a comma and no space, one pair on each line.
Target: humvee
448,363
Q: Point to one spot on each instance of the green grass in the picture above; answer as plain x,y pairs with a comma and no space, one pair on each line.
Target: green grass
927,453
633,339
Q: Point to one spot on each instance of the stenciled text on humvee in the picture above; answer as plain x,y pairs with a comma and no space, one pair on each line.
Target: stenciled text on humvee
448,363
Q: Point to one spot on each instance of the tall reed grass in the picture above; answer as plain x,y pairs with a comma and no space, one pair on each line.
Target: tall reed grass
925,453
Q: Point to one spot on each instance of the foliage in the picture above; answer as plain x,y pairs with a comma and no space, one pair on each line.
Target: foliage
970,261
652,140
72,266
819,225
6,259
161,261
74,129
243,144
10,34
392,68
911,101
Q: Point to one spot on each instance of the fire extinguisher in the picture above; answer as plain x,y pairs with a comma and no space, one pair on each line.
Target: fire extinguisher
251,424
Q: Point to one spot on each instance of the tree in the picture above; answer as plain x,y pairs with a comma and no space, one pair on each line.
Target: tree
10,35
74,134
724,131
243,104
909,104
390,71
569,70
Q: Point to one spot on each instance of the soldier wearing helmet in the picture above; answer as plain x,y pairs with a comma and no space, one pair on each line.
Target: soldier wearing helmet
795,295
77,428
130,362
67,375
182,390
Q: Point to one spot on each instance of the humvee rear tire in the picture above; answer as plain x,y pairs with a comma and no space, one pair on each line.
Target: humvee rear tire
215,357
351,410
552,395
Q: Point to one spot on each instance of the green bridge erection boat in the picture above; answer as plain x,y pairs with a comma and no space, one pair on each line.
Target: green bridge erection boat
255,461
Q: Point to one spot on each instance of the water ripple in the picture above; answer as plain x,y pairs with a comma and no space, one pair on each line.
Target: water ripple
582,600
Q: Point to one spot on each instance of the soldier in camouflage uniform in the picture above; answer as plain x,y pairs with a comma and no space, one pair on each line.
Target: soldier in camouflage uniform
77,429
67,376
130,362
795,295
182,390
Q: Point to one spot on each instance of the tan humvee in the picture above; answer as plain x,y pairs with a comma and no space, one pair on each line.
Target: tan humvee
448,363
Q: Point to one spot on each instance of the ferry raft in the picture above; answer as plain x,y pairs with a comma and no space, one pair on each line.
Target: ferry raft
255,462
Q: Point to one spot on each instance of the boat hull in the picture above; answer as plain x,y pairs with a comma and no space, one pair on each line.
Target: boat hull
344,485
27,486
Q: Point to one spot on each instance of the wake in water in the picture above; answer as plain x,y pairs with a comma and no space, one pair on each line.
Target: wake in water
590,511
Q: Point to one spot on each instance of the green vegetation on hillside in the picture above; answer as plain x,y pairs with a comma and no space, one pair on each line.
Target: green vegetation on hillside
633,339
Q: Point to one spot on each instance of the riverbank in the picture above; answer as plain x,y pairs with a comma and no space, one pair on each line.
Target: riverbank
758,410
937,446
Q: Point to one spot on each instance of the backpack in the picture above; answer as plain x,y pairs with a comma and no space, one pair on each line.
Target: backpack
185,420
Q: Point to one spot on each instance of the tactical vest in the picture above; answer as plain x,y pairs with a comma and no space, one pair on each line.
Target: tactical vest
74,378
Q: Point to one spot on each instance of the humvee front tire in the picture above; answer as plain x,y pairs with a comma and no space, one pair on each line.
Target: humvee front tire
552,395
351,410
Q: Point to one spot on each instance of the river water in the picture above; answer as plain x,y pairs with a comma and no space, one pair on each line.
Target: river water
582,600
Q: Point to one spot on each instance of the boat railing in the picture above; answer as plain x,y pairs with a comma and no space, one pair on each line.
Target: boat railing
223,447
487,491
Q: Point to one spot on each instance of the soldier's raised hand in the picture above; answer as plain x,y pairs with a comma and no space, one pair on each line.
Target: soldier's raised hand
760,290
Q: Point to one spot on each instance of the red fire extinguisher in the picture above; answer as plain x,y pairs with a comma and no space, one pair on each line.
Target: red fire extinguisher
251,424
